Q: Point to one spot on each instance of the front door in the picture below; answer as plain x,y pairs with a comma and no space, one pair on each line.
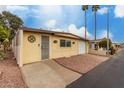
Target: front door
45,47
81,47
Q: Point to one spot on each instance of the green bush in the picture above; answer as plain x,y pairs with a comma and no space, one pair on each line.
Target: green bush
2,55
103,43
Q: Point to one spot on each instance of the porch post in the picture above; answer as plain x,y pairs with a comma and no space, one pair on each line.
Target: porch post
20,48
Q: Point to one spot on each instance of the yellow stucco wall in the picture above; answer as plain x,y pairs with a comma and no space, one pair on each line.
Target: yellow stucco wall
57,51
88,46
31,51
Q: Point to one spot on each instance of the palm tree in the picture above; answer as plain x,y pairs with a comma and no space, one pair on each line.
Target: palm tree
85,8
94,9
108,32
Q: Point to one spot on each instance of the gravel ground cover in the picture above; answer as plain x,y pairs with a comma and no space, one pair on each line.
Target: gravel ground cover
10,75
81,63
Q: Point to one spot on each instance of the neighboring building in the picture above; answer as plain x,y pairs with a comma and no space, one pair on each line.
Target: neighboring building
122,45
94,44
96,49
117,45
32,45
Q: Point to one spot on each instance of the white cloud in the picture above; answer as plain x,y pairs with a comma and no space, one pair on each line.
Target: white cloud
50,24
14,8
3,7
51,9
80,32
45,13
48,11
51,12
119,11
17,8
103,10
103,34
58,30
22,11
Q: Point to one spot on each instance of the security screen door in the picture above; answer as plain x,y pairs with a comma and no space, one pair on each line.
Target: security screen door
45,47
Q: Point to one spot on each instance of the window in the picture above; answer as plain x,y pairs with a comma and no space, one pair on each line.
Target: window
62,43
68,43
65,43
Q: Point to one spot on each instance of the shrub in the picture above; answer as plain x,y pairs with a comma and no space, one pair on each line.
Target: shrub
103,43
112,51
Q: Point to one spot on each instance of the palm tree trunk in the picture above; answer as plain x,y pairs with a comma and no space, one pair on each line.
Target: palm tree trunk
95,29
85,32
95,23
108,33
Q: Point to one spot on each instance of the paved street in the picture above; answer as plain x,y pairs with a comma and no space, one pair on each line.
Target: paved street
109,74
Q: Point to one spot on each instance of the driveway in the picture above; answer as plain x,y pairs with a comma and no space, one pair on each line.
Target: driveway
109,74
81,63
48,74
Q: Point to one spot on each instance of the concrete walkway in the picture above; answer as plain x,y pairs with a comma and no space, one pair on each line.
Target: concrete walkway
47,74
67,75
109,74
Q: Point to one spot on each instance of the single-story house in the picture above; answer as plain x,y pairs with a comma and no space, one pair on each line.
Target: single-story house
116,45
94,44
33,45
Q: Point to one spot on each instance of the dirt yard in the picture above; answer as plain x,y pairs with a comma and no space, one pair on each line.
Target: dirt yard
10,75
81,63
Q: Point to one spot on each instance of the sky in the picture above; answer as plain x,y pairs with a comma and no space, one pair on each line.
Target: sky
70,18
